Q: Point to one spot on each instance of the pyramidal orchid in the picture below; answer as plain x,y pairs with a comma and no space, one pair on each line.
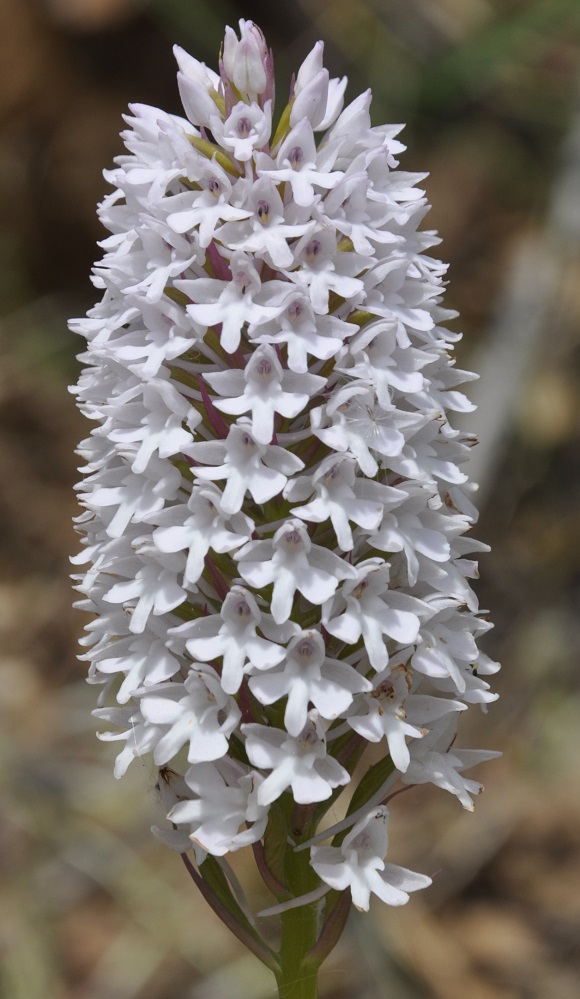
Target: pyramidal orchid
275,516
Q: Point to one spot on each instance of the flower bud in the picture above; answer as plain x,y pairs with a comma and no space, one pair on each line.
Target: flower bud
311,101
197,103
245,60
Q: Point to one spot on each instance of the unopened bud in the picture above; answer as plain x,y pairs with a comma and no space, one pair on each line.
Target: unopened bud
245,59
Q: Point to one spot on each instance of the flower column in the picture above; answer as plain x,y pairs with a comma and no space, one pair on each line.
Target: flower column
275,518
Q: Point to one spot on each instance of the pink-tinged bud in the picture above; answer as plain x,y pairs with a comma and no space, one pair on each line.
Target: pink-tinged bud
245,60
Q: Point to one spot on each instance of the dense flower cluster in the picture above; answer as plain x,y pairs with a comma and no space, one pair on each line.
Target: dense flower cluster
275,519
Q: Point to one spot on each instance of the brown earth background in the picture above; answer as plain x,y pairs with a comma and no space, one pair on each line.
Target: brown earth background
91,907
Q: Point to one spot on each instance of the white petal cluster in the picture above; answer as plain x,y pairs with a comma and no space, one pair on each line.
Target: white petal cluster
358,864
275,516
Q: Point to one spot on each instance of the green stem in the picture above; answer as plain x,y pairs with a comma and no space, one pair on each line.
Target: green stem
298,977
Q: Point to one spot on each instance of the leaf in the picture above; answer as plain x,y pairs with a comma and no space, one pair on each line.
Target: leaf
275,841
214,887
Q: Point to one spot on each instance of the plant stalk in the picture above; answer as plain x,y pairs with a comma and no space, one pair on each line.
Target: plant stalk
298,977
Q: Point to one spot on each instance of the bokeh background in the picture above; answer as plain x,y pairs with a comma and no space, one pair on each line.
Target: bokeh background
91,906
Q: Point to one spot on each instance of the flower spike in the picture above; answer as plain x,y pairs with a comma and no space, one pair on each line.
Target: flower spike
275,506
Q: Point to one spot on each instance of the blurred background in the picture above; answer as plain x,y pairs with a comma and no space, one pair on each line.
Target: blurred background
91,906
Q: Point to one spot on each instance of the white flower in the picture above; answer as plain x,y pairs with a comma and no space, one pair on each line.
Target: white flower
248,466
368,614
448,646
266,232
316,96
303,333
197,96
162,261
291,562
321,268
140,738
194,70
197,712
359,426
231,635
152,591
160,430
172,789
264,389
275,514
383,362
133,498
307,676
198,528
358,864
394,712
242,299
434,762
298,762
299,165
200,212
415,529
144,659
248,127
333,482
225,800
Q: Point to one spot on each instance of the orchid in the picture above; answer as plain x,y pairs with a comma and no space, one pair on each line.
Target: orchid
300,762
248,466
275,512
265,390
358,864
307,676
292,563
232,636
198,712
